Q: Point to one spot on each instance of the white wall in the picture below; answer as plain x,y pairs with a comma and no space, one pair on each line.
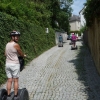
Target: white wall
83,22
74,25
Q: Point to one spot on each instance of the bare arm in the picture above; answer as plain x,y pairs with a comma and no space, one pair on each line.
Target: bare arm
17,47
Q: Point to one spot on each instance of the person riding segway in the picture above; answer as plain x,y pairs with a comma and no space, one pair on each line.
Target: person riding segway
60,44
74,38
12,51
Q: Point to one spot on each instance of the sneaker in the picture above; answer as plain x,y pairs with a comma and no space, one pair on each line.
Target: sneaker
16,98
8,98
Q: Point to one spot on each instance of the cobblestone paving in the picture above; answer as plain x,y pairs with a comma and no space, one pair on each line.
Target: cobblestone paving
53,76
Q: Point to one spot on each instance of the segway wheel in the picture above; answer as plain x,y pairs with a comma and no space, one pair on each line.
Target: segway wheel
3,94
23,94
12,95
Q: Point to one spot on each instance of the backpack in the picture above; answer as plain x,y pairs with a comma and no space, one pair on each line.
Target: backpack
22,62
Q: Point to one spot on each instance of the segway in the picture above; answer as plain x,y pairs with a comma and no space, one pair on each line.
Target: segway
73,48
60,44
22,93
3,94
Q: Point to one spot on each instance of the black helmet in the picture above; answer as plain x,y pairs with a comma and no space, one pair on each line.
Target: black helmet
14,33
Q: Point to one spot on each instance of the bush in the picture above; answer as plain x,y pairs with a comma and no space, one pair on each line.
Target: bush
33,39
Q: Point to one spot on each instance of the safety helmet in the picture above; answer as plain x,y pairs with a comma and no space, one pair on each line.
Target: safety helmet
15,33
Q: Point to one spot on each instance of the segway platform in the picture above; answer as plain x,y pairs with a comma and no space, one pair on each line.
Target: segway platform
74,48
60,44
22,93
3,94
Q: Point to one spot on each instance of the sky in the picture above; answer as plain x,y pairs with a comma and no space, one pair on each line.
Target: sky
77,6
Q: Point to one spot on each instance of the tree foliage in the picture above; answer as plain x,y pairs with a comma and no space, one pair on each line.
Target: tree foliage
64,15
31,20
61,13
83,29
41,12
30,17
92,10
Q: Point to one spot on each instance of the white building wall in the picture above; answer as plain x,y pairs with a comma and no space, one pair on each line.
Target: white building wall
83,22
82,19
72,26
75,26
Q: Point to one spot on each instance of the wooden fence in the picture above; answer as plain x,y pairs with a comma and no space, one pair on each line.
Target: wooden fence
93,34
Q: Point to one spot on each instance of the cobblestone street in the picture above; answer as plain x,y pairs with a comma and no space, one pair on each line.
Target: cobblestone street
61,74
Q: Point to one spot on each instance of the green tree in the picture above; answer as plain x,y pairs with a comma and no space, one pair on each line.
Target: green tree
64,14
92,10
63,21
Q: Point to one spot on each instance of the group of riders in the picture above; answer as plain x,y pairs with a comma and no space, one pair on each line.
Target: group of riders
73,39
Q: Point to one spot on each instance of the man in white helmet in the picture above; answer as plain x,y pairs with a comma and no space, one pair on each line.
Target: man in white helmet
12,51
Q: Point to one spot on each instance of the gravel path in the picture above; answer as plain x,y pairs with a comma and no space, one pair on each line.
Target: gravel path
53,75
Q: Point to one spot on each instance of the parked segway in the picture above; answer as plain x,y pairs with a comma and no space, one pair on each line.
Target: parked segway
22,93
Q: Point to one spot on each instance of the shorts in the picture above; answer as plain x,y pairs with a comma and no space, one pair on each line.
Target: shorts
73,41
12,70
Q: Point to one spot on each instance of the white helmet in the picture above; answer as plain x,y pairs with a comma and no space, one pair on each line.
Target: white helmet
14,33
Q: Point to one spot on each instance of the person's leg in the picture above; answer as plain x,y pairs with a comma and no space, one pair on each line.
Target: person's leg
9,84
15,74
74,43
61,43
16,85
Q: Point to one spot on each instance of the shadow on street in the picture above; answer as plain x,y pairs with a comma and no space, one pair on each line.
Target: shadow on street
87,73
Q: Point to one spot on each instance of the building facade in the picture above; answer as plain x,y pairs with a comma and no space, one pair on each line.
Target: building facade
74,22
82,19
